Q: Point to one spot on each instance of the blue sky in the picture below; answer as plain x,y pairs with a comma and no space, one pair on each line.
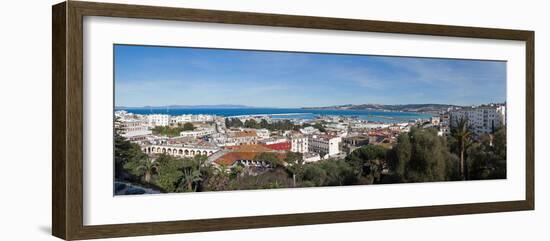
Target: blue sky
159,76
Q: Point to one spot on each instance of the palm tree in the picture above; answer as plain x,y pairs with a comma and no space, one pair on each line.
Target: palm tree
462,135
237,170
189,177
147,167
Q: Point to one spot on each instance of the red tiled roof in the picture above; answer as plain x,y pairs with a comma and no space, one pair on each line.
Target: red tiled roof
282,146
251,148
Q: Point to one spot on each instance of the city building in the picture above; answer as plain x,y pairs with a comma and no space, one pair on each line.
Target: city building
337,126
180,150
198,132
279,146
481,119
235,138
311,157
444,124
351,143
435,120
158,120
262,133
370,125
325,145
181,119
134,129
299,143
309,130
248,156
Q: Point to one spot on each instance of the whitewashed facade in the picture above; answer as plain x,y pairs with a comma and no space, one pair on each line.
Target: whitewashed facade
158,120
299,143
134,129
482,119
324,145
198,132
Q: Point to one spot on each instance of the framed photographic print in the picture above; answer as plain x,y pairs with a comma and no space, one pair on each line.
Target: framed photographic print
210,120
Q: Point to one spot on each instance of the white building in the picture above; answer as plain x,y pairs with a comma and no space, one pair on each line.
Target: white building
262,133
311,157
235,138
134,129
121,113
299,143
198,132
158,120
337,126
370,125
272,141
326,146
482,119
180,119
180,150
435,120
309,130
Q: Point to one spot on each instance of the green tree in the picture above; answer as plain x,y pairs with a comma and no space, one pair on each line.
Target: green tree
421,156
233,122
192,173
237,171
168,131
251,123
367,162
264,124
499,143
169,172
189,180
275,178
127,156
338,172
188,126
147,168
270,158
461,132
487,158
402,152
320,127
294,164
218,179
314,175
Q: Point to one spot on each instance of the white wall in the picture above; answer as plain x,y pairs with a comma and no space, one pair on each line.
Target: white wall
25,77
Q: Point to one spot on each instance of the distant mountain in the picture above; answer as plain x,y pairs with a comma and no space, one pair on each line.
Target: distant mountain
187,107
380,107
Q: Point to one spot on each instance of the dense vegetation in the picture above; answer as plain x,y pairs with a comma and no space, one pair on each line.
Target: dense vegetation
173,131
418,156
280,125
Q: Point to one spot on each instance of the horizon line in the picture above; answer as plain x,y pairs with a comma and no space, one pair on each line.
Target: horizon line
325,106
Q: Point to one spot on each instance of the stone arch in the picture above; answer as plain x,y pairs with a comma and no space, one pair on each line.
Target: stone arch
163,150
186,152
204,153
192,152
211,152
158,149
180,152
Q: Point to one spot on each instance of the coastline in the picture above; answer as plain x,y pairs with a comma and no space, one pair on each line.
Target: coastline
287,113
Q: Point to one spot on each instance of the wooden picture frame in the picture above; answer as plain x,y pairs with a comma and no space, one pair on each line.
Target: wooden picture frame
67,137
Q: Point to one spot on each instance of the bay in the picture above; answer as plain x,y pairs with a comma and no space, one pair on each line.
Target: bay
286,113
